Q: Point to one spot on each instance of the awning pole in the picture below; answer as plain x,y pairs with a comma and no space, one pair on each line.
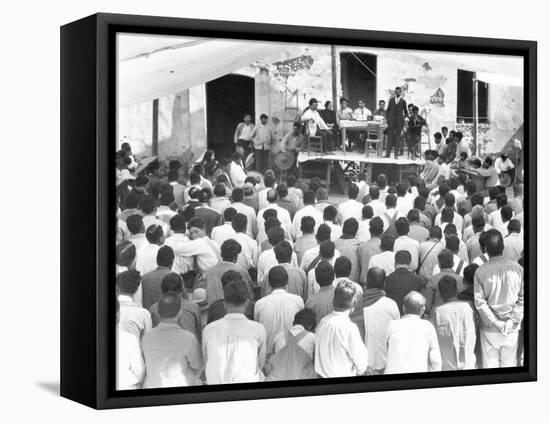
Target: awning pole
476,113
155,135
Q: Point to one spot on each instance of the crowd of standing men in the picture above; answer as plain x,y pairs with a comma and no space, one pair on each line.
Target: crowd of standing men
223,277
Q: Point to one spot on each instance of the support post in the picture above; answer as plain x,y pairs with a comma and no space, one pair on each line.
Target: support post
155,139
476,113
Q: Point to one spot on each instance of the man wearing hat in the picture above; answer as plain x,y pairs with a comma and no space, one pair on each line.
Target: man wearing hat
316,125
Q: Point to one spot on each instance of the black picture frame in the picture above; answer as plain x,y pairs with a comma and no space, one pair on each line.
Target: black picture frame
88,126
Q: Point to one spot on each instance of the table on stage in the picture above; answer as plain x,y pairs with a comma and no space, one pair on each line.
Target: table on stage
360,126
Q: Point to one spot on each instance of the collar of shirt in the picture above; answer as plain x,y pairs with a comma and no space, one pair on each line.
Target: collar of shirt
279,291
168,325
126,299
411,316
234,316
341,313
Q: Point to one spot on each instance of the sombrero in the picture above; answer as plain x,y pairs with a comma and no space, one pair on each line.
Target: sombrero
284,160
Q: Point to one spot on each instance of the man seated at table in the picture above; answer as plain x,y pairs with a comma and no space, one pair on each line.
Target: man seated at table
362,113
316,126
414,132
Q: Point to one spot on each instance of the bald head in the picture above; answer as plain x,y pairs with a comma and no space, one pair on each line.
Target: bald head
414,303
272,195
375,278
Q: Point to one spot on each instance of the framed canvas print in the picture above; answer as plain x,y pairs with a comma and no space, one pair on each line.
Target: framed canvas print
257,211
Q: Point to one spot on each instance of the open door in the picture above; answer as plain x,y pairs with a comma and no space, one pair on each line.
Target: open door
358,73
228,99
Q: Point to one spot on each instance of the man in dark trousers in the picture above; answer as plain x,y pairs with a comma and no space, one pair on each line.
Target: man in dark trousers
395,118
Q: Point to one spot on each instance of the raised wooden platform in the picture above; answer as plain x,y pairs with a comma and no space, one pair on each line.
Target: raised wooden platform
324,165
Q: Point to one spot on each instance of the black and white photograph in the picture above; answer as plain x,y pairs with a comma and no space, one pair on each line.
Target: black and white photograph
290,211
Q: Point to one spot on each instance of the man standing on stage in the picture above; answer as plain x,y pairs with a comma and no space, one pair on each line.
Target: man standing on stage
264,139
415,124
395,118
243,134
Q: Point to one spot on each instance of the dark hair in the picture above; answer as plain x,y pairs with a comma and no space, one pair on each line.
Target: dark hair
205,195
230,250
275,235
419,203
444,189
154,234
282,191
166,198
452,242
447,214
381,180
237,195
493,193
290,179
277,277
194,178
391,201
229,214
450,229
269,181
307,225
401,189
125,253
413,215
376,226
438,135
235,292
374,192
506,213
324,273
469,272
350,227
230,276
344,295
306,318
323,233
135,224
330,213
283,252
445,259
376,278
239,222
172,282
386,243
177,223
477,199
471,188
147,204
326,249
449,200
494,243
478,223
435,232
132,200
272,195
403,257
514,226
165,256
219,190
271,222
194,193
169,305
367,212
447,287
502,200
402,226
269,213
309,197
342,267
353,191
128,281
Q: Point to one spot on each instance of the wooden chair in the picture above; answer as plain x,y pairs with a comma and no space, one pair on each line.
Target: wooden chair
374,136
314,143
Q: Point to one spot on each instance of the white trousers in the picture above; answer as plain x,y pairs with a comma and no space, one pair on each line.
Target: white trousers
498,350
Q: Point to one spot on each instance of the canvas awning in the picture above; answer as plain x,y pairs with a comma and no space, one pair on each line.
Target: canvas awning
150,67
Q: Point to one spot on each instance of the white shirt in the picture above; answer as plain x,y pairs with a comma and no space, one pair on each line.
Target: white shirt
378,207
222,232
445,171
234,350
276,312
311,255
139,241
412,346
403,242
308,210
404,204
458,221
363,233
207,252
361,113
335,230
146,258
248,257
377,318
237,174
384,260
130,367
503,165
456,262
181,264
350,208
339,349
314,119
134,319
513,246
267,260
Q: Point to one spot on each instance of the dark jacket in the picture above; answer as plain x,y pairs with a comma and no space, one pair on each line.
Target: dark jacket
400,283
396,113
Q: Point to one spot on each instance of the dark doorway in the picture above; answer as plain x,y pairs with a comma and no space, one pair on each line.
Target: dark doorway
465,98
358,72
227,100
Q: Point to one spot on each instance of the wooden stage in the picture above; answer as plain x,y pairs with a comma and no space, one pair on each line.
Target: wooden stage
325,166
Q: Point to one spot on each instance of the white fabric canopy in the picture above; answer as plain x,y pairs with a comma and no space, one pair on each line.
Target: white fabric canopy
150,67
500,79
